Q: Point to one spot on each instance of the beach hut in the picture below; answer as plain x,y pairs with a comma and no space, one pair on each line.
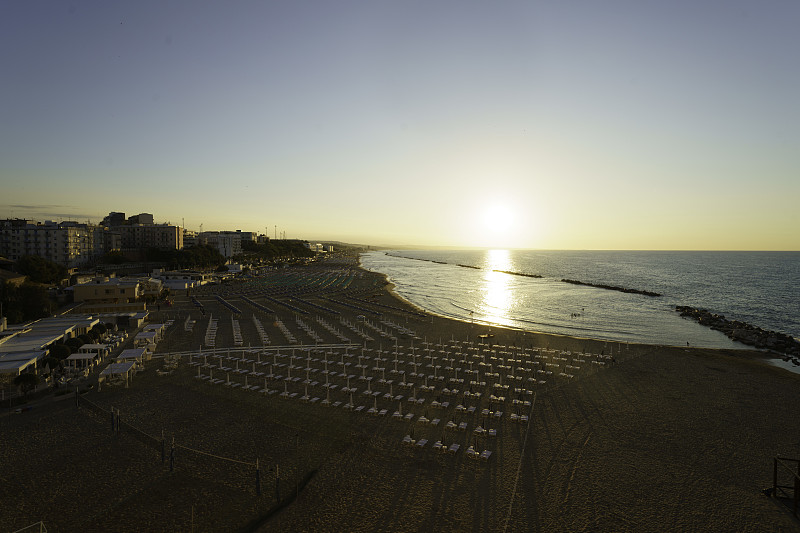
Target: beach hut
124,371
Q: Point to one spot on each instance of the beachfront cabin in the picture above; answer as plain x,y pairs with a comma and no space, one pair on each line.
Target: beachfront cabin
147,340
159,329
80,363
101,350
15,363
118,372
137,355
137,320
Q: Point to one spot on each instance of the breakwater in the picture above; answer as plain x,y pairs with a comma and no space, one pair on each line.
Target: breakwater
744,333
611,287
518,273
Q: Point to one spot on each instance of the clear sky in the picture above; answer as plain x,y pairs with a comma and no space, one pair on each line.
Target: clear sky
533,124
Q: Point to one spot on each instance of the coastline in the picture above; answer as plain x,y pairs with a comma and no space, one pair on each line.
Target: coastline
690,431
391,289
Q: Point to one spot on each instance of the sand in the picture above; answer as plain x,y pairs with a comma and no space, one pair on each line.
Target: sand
665,439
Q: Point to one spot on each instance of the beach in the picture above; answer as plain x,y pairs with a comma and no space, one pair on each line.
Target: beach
640,438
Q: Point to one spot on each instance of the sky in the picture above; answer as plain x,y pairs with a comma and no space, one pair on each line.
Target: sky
609,124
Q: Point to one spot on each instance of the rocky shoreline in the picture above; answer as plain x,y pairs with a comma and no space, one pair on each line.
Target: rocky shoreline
518,273
611,287
745,333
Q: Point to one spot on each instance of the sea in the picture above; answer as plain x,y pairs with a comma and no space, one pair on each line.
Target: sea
759,288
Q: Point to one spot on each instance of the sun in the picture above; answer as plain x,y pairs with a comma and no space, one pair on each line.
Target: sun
497,223
498,219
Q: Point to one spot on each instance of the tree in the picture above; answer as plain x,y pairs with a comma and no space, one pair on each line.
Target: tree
114,257
54,363
40,270
26,302
27,382
74,343
60,351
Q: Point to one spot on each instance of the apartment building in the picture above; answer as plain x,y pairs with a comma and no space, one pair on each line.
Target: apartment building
67,243
229,243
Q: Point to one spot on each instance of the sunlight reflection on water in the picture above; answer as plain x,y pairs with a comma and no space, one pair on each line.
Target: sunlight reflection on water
497,295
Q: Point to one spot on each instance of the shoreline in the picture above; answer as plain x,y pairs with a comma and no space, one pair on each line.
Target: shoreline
391,289
690,431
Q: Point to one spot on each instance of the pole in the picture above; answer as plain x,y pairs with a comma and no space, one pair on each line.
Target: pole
775,477
258,479
277,482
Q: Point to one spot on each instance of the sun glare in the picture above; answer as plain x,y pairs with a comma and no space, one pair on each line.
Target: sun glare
496,225
498,219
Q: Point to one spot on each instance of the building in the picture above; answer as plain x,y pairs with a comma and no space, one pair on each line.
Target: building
23,346
70,244
140,237
141,218
109,295
180,280
228,243
189,238
113,219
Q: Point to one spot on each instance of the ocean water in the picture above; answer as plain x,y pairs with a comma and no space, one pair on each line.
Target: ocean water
760,288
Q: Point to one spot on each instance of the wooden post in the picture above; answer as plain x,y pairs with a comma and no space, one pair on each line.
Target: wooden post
796,491
775,477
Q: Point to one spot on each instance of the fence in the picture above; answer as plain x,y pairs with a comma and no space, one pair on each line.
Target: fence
38,526
783,463
159,444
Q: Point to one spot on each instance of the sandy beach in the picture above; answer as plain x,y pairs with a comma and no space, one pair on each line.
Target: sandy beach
657,438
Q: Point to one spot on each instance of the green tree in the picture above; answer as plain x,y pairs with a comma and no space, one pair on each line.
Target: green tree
24,303
27,382
40,270
60,351
74,343
114,257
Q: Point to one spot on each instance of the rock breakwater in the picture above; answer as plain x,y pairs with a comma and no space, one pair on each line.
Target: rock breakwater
518,273
611,287
745,333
